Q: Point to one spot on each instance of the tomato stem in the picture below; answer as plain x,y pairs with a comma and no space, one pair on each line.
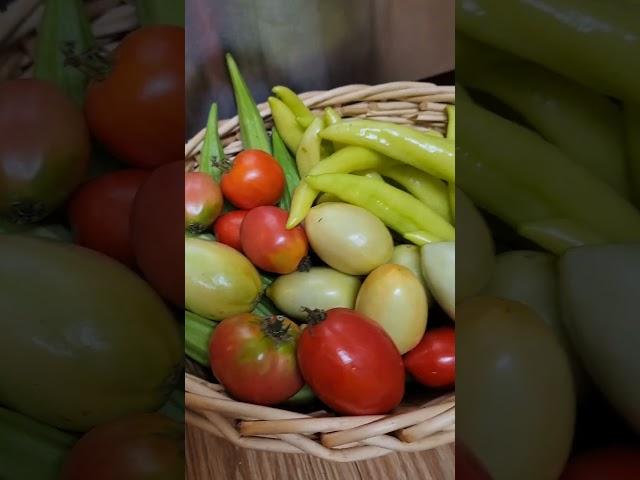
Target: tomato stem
314,315
305,264
274,327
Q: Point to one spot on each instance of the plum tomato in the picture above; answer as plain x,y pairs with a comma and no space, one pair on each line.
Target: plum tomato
100,213
227,228
350,363
254,179
433,361
202,201
255,358
267,242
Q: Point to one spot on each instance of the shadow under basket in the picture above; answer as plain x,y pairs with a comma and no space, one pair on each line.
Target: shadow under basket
425,419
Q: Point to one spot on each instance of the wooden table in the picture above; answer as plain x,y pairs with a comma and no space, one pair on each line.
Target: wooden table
210,458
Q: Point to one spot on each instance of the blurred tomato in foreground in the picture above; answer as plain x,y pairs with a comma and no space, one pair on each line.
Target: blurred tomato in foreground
615,463
157,231
227,228
100,213
137,109
44,149
149,446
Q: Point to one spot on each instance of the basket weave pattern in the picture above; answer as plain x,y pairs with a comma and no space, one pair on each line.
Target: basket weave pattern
411,427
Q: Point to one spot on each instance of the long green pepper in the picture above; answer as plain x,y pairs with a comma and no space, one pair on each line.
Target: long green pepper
286,123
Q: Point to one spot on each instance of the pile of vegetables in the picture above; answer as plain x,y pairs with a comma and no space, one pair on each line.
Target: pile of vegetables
549,243
91,355
312,258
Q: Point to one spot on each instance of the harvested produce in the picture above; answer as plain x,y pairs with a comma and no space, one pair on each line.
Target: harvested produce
227,228
159,249
348,238
255,179
219,281
150,445
308,153
43,130
98,328
267,242
212,155
255,358
286,123
202,201
397,209
409,256
428,153
288,164
318,288
100,213
512,361
439,269
350,363
394,298
433,361
135,106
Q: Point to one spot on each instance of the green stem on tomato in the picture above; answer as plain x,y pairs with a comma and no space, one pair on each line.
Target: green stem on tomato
160,12
64,31
212,153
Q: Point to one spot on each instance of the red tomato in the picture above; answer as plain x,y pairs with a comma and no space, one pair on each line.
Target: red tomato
351,363
255,179
615,463
202,201
157,231
267,242
433,361
44,149
137,111
100,213
255,358
227,228
140,446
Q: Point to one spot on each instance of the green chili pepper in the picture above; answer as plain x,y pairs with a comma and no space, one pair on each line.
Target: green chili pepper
30,449
295,104
397,209
582,123
570,46
331,117
451,123
420,238
426,152
328,197
252,131
526,159
197,334
288,164
308,154
64,31
285,122
304,122
632,116
349,159
212,153
426,188
160,12
370,174
451,187
558,235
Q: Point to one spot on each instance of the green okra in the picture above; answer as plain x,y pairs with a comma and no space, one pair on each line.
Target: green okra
288,164
212,154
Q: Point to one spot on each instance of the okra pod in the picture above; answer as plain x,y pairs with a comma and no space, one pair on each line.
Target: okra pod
252,130
212,153
426,152
288,164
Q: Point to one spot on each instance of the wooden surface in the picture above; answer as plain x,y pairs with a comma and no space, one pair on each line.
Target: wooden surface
211,458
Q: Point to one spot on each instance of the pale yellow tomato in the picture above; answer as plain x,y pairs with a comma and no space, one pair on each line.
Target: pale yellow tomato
393,297
439,268
409,256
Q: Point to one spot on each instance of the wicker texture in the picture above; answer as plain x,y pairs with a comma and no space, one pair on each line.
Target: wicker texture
412,427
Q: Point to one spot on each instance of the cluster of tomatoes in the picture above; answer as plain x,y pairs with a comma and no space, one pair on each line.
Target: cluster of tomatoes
347,360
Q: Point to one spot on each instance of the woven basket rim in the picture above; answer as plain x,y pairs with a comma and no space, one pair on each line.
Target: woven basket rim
326,436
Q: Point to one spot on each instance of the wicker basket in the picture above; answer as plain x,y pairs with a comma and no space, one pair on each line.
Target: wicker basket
415,426
110,21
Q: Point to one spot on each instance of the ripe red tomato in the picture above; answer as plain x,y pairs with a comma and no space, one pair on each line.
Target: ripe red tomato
202,201
255,179
157,233
44,149
140,446
267,242
433,361
227,228
137,110
255,358
351,363
100,213
619,463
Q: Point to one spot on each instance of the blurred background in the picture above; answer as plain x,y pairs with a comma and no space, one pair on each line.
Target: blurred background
311,44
